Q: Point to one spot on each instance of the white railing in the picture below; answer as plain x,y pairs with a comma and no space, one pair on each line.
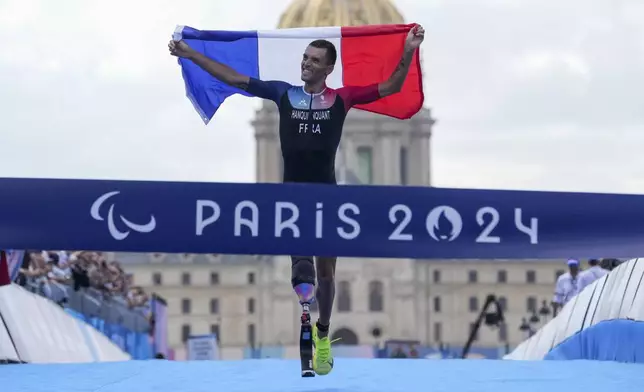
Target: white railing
33,329
618,295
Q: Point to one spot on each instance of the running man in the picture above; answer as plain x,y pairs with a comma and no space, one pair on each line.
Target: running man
310,127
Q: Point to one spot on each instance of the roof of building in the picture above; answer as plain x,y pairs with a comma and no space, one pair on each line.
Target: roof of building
318,13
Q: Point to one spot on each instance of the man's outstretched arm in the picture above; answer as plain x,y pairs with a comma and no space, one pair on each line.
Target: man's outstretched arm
397,79
220,71
271,90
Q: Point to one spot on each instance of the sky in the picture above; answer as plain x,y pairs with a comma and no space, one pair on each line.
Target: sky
531,94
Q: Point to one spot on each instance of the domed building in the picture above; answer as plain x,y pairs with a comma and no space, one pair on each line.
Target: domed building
319,13
248,301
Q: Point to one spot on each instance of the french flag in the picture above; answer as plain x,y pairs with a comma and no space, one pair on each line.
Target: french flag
366,55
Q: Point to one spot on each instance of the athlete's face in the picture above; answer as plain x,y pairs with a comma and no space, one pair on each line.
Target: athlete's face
315,66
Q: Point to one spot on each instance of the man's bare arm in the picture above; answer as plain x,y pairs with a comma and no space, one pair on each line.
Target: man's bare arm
397,79
395,82
220,71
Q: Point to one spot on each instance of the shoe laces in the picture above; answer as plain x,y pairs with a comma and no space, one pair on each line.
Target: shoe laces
323,352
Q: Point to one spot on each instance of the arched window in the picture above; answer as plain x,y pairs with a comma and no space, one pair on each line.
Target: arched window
346,335
344,296
376,296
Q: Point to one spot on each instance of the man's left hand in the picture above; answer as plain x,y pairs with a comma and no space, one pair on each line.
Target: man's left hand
414,38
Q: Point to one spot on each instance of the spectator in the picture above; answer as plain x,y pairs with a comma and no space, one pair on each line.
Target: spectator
36,271
80,265
567,286
139,300
82,270
590,275
59,270
114,281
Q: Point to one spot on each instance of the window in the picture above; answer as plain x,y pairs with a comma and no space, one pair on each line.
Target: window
474,304
251,278
185,279
437,276
473,276
214,329
185,332
437,304
214,306
403,166
502,276
503,303
531,304
251,335
344,296
251,305
185,306
365,164
438,332
214,278
156,279
531,276
376,296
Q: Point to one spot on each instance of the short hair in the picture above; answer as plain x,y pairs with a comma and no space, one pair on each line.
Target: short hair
331,52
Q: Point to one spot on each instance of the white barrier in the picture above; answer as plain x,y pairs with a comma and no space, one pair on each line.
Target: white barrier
7,351
35,330
617,295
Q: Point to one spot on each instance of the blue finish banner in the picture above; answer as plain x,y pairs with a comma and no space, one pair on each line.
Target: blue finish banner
308,219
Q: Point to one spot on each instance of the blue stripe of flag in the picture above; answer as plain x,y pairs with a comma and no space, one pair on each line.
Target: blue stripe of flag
216,35
236,49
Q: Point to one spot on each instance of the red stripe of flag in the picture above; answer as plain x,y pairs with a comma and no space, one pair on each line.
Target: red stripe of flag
370,54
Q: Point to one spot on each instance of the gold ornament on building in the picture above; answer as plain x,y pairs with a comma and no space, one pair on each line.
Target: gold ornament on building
318,13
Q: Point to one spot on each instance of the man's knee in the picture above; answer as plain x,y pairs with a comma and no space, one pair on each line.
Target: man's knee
302,270
326,268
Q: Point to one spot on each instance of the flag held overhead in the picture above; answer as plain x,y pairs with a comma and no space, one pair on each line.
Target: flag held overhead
366,55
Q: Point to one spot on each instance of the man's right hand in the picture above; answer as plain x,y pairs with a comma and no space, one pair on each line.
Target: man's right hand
180,49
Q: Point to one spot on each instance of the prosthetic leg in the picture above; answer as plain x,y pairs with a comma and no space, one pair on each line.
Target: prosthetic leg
303,281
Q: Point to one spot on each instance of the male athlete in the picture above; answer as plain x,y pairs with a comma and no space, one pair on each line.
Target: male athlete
310,127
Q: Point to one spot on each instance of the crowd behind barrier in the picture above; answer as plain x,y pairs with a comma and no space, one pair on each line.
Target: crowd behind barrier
99,292
602,322
82,270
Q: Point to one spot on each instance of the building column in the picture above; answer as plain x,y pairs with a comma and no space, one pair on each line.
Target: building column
388,158
267,165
